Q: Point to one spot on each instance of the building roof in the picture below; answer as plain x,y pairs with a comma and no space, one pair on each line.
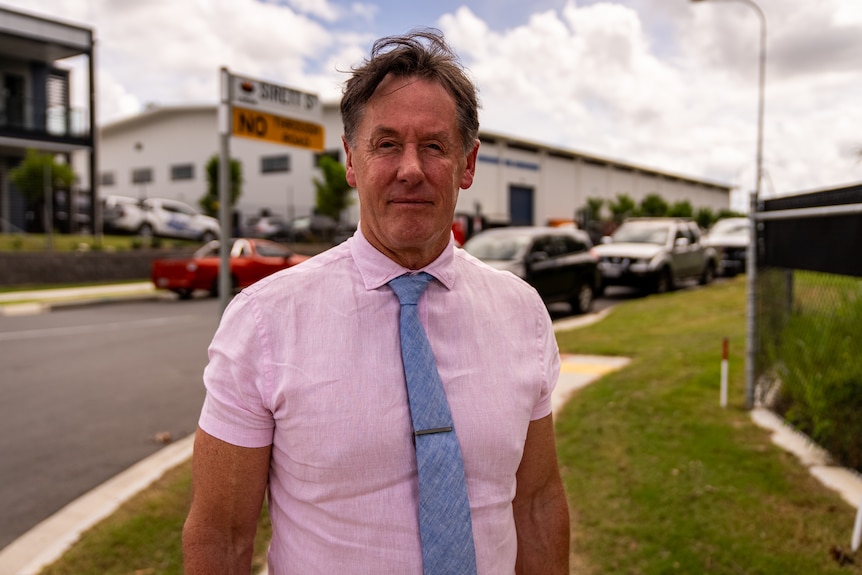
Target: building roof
153,112
31,37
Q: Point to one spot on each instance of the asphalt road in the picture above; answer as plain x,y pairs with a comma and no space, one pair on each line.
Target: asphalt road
87,390
85,393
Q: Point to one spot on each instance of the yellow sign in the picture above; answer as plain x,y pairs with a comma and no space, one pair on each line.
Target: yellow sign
278,129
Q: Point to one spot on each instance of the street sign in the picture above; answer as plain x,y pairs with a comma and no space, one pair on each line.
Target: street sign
269,127
280,100
259,110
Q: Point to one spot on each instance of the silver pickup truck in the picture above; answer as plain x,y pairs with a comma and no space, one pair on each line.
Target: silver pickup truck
654,254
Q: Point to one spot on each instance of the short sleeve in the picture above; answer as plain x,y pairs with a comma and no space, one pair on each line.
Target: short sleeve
549,363
236,406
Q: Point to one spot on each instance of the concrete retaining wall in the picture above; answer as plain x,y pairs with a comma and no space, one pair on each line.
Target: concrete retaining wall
38,268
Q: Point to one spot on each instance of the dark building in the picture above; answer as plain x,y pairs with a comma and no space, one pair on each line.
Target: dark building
38,57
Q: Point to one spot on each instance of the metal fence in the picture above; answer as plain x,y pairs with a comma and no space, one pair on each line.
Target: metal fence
807,302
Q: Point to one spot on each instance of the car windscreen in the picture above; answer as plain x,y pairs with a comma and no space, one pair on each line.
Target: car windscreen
642,233
497,247
732,227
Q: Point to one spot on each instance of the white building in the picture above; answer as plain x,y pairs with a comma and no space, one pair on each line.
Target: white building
163,152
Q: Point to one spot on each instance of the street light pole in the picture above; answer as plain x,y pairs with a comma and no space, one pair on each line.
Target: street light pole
751,263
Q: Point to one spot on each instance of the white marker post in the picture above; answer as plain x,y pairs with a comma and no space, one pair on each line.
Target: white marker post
724,373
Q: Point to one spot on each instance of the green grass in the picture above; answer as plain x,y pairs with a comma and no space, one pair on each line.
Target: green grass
144,536
660,479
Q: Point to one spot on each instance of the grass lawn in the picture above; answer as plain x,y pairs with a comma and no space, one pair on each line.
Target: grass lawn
660,479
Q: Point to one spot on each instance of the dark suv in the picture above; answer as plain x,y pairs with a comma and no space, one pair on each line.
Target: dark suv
654,254
558,262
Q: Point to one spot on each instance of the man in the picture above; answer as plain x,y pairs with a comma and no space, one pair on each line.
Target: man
306,392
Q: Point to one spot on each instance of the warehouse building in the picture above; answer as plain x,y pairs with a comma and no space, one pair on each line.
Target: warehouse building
163,152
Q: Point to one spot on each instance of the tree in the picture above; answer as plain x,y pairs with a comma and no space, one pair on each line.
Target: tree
653,206
589,218
705,218
681,209
623,207
209,203
29,178
333,192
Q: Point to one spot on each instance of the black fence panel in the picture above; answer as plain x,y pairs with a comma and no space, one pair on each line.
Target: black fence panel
808,316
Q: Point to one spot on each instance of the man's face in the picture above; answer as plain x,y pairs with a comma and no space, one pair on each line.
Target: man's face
408,164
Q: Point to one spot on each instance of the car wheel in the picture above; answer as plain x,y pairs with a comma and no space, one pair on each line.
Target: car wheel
583,300
207,237
708,274
663,281
146,231
184,293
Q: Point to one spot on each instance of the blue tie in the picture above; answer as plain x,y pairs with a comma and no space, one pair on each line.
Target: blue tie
444,510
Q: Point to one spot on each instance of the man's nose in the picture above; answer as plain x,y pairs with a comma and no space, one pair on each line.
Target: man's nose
410,167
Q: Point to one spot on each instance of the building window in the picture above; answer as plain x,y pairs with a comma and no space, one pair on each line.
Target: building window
183,172
270,164
142,175
106,179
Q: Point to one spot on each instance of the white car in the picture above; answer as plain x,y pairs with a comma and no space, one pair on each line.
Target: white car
730,237
158,217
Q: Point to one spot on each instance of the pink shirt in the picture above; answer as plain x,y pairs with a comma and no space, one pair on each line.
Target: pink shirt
308,360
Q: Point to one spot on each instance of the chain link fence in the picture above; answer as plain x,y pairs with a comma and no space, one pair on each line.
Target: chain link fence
808,318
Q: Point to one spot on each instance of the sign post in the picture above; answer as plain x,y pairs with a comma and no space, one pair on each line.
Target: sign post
266,112
224,207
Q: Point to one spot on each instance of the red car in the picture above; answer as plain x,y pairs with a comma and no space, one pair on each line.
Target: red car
251,259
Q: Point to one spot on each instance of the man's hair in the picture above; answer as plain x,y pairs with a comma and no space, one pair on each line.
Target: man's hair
422,53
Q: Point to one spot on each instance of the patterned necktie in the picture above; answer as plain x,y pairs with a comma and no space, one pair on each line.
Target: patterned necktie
444,510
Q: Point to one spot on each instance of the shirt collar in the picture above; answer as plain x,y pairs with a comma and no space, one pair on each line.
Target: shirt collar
377,269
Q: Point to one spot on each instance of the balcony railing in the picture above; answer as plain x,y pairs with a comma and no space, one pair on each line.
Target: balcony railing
33,119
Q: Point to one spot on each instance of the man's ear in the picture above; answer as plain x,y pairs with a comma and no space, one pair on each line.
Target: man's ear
470,168
349,174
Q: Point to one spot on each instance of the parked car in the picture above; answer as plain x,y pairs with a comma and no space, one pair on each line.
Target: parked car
268,227
654,254
729,238
158,217
120,214
315,227
251,259
558,262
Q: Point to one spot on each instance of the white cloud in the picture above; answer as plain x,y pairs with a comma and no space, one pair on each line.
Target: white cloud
322,9
590,78
666,85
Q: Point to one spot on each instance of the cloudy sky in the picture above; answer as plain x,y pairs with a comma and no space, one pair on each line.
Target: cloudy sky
666,84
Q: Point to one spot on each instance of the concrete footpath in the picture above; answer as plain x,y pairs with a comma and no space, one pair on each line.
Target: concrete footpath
44,300
48,540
